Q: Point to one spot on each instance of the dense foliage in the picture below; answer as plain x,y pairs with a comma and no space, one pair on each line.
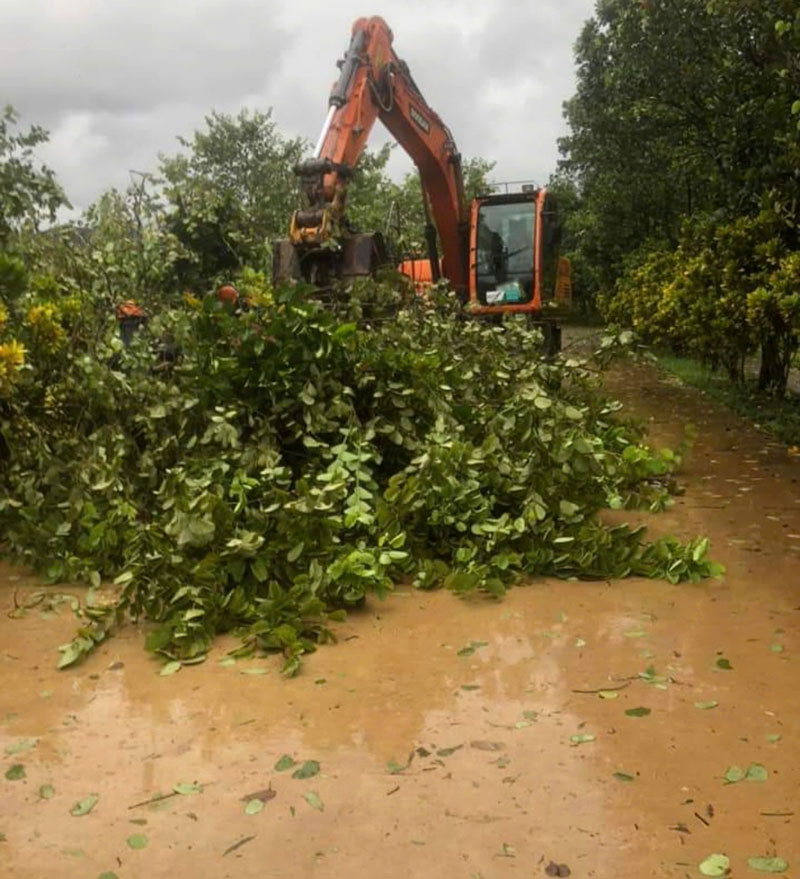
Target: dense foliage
294,460
262,467
724,292
682,160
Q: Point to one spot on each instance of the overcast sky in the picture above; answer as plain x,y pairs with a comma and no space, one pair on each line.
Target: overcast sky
115,81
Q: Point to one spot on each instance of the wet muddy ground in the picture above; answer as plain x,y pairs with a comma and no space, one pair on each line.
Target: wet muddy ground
435,761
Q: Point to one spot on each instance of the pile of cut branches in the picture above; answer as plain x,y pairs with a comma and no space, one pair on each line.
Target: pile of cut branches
289,461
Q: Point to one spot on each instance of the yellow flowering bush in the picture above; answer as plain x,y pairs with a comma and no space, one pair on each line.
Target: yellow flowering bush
45,326
12,357
724,292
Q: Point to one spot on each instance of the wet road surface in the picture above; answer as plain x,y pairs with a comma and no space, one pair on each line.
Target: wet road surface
492,762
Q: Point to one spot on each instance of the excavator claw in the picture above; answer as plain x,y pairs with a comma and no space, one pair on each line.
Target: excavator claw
354,256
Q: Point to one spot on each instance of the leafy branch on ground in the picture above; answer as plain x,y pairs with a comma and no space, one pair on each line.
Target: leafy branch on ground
294,459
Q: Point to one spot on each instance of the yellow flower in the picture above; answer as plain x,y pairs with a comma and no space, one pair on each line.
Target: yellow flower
39,315
190,300
47,330
12,353
3,315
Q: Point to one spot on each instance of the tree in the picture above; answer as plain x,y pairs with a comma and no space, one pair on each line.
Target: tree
681,108
28,193
230,194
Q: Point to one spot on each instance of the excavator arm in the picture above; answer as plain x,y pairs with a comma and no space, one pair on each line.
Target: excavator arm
375,84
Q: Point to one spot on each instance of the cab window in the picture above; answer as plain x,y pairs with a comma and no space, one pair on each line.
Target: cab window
505,253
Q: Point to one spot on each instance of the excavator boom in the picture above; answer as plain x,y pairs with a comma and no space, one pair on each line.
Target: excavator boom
375,84
500,255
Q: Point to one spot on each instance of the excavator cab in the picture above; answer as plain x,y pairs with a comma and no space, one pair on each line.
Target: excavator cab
513,253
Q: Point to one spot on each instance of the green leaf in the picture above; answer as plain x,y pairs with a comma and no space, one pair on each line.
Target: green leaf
446,752
109,874
638,712
294,553
773,738
776,648
21,745
635,633
756,772
285,762
581,738
608,694
734,774
253,807
188,789
705,706
308,770
768,865
15,772
137,841
313,800
623,776
724,664
170,668
715,865
84,806
47,792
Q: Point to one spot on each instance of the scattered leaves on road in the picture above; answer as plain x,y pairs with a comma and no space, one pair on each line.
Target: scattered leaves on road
20,745
253,806
768,865
188,789
15,772
754,772
724,664
308,770
705,706
137,841
285,762
581,738
470,648
715,865
84,806
638,712
170,668
313,800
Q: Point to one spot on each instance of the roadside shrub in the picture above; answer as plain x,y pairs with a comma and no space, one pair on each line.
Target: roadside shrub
725,291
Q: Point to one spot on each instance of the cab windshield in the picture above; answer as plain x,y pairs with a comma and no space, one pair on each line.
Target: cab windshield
505,253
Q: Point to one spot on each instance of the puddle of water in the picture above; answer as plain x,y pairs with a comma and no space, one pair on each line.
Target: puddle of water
514,793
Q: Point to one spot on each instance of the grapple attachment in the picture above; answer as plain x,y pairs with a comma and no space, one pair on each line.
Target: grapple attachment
354,256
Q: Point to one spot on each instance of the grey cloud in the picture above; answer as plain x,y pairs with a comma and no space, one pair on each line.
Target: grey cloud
117,81
124,57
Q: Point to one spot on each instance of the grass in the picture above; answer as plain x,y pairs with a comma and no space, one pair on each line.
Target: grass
780,416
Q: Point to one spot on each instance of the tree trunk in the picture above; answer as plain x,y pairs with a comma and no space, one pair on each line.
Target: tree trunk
774,371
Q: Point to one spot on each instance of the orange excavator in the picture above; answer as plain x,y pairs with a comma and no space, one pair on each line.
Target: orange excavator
499,254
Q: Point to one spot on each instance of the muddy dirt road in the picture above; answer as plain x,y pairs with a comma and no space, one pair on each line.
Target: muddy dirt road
435,761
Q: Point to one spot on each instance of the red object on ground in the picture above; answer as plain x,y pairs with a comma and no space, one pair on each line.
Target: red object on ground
228,294
129,308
